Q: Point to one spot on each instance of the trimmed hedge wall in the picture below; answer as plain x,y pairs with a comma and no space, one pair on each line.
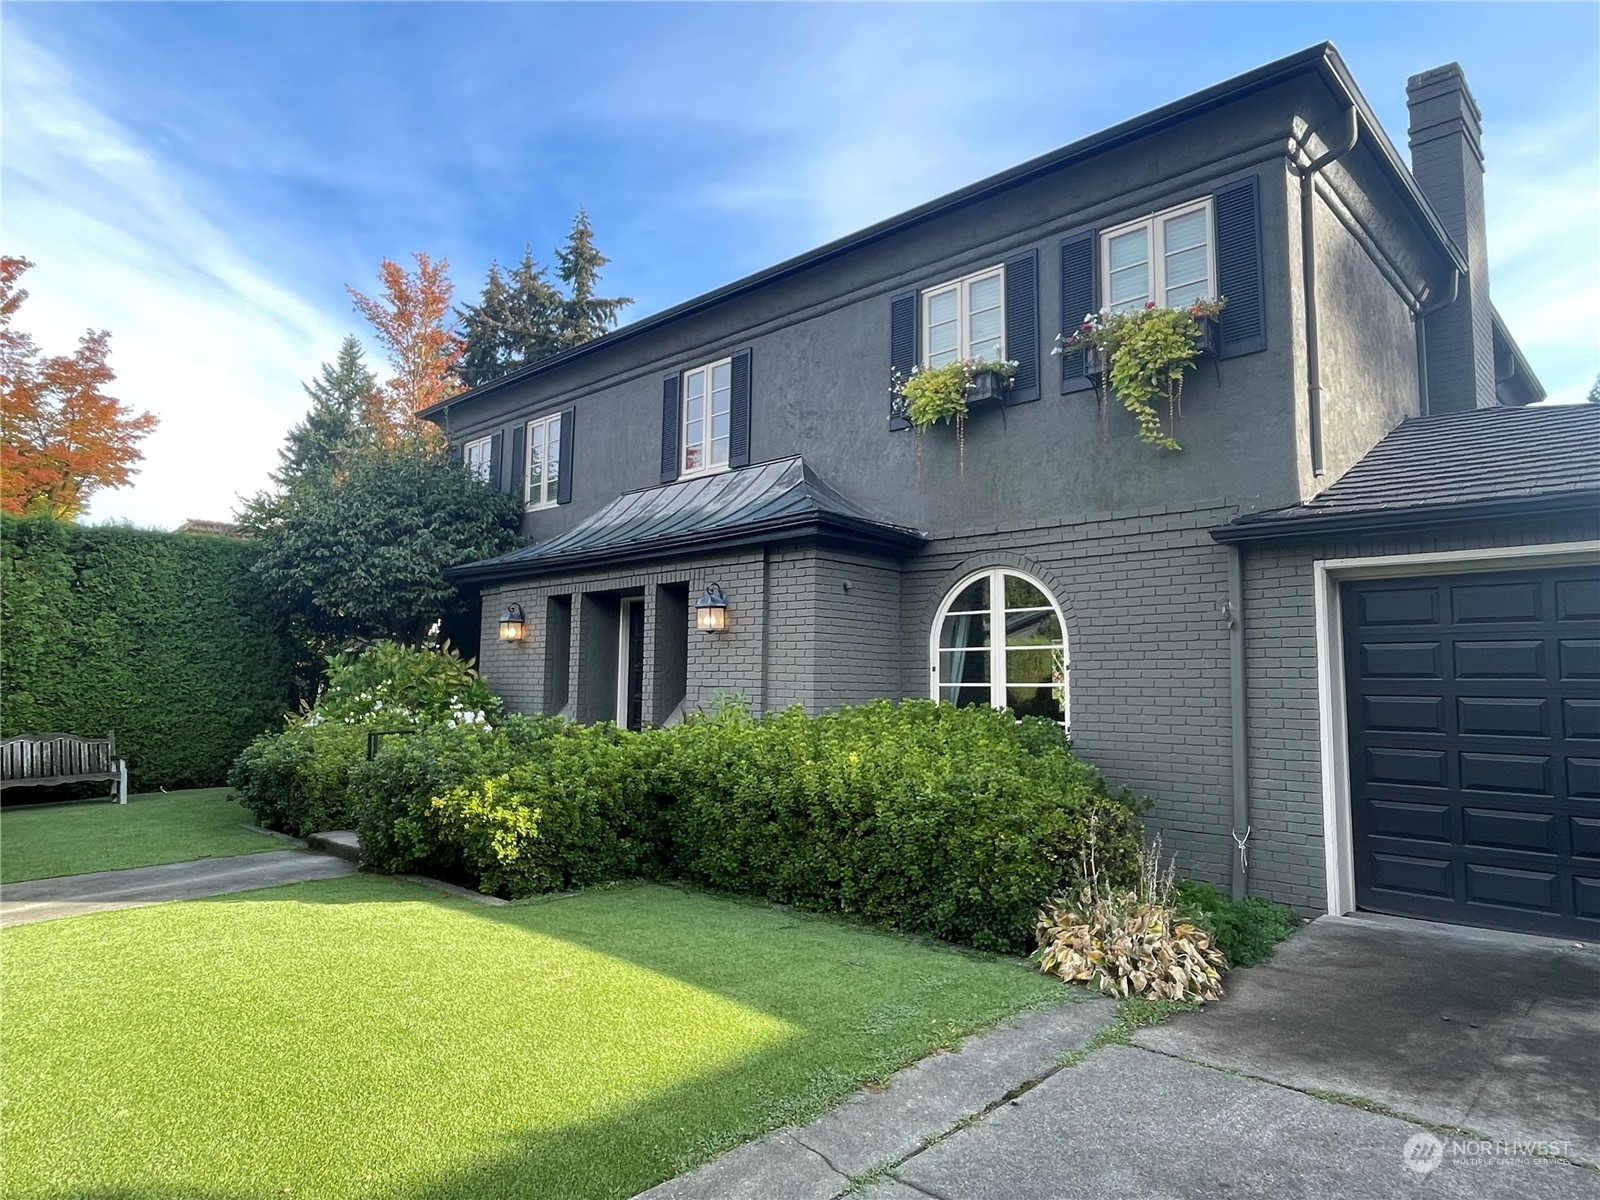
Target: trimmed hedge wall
159,637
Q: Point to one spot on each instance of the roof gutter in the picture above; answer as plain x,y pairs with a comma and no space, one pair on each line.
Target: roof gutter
1323,58
1421,319
1585,501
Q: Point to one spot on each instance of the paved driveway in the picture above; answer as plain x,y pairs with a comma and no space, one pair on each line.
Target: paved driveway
1495,1033
1324,1073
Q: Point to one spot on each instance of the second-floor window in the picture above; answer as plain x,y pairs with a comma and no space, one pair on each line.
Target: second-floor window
707,417
1167,258
541,488
965,318
479,458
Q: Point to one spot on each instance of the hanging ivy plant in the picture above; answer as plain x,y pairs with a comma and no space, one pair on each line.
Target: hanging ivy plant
1144,354
944,393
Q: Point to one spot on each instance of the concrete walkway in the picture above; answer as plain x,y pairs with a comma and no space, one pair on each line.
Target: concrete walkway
75,895
1177,1114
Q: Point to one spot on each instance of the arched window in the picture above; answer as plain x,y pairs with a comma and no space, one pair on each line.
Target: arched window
1024,670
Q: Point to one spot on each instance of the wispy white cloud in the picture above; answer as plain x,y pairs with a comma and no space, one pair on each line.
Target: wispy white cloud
203,334
1542,191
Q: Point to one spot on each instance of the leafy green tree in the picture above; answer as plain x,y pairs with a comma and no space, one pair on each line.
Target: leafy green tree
332,430
587,314
360,555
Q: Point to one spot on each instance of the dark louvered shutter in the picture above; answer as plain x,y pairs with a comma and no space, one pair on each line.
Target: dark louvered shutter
669,427
458,453
564,467
739,411
902,349
517,476
1079,260
1237,211
496,461
1022,325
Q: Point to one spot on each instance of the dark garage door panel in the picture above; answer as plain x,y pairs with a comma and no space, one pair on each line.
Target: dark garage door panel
1473,708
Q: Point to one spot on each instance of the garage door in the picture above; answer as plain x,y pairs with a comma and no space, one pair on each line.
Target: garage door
1474,727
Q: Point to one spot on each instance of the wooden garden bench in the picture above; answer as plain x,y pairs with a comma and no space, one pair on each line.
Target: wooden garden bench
37,759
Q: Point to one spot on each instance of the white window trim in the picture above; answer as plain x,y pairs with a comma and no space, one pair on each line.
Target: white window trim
488,457
528,502
684,472
629,610
997,679
963,325
1158,258
1334,740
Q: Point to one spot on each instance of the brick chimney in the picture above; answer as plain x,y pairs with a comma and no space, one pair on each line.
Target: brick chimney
1447,161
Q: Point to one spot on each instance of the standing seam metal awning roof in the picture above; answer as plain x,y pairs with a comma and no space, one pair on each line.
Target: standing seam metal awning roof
776,499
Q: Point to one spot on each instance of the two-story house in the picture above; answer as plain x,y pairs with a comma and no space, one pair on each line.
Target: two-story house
1346,678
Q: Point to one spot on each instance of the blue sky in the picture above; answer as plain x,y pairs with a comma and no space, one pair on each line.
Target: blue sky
203,180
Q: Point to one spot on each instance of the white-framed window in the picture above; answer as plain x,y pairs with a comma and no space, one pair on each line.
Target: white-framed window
965,318
1169,257
543,478
707,415
478,457
999,640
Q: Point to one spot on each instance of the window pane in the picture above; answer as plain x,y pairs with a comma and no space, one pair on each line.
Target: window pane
942,307
552,457
551,494
719,452
963,666
984,293
1130,286
973,598
1035,702
965,630
1024,593
1033,629
695,409
1187,266
719,424
1047,666
984,329
692,459
1184,294
1128,249
695,384
1188,230
966,697
943,343
721,377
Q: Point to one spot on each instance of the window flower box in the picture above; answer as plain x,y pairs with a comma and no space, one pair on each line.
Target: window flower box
988,385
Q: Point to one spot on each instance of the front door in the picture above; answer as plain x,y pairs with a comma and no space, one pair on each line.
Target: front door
630,665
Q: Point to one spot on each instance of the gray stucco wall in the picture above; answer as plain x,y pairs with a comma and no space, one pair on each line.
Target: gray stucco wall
1286,845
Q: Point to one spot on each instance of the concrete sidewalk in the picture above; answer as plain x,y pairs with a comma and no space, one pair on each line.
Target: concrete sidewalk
75,895
1490,1034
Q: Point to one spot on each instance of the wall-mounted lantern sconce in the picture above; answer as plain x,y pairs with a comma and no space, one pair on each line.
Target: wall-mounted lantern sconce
711,610
513,623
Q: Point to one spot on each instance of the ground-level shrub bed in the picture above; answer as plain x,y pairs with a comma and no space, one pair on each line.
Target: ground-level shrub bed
367,1037
956,823
1247,931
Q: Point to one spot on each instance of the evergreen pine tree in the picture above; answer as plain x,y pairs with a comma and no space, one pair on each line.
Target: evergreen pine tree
587,315
317,446
533,316
483,331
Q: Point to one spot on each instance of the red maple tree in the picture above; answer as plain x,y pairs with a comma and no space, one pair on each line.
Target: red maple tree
61,437
413,319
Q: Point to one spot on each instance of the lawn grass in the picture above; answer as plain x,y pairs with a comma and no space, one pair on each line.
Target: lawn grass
70,839
367,1037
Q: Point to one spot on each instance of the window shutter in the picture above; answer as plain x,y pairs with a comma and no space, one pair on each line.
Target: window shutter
496,460
1240,280
1022,325
517,476
564,469
458,453
1079,262
902,350
739,411
670,386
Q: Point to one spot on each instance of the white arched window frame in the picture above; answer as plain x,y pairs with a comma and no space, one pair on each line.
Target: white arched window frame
1027,671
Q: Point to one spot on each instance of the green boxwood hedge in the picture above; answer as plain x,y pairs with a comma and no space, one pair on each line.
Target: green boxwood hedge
159,637
952,823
